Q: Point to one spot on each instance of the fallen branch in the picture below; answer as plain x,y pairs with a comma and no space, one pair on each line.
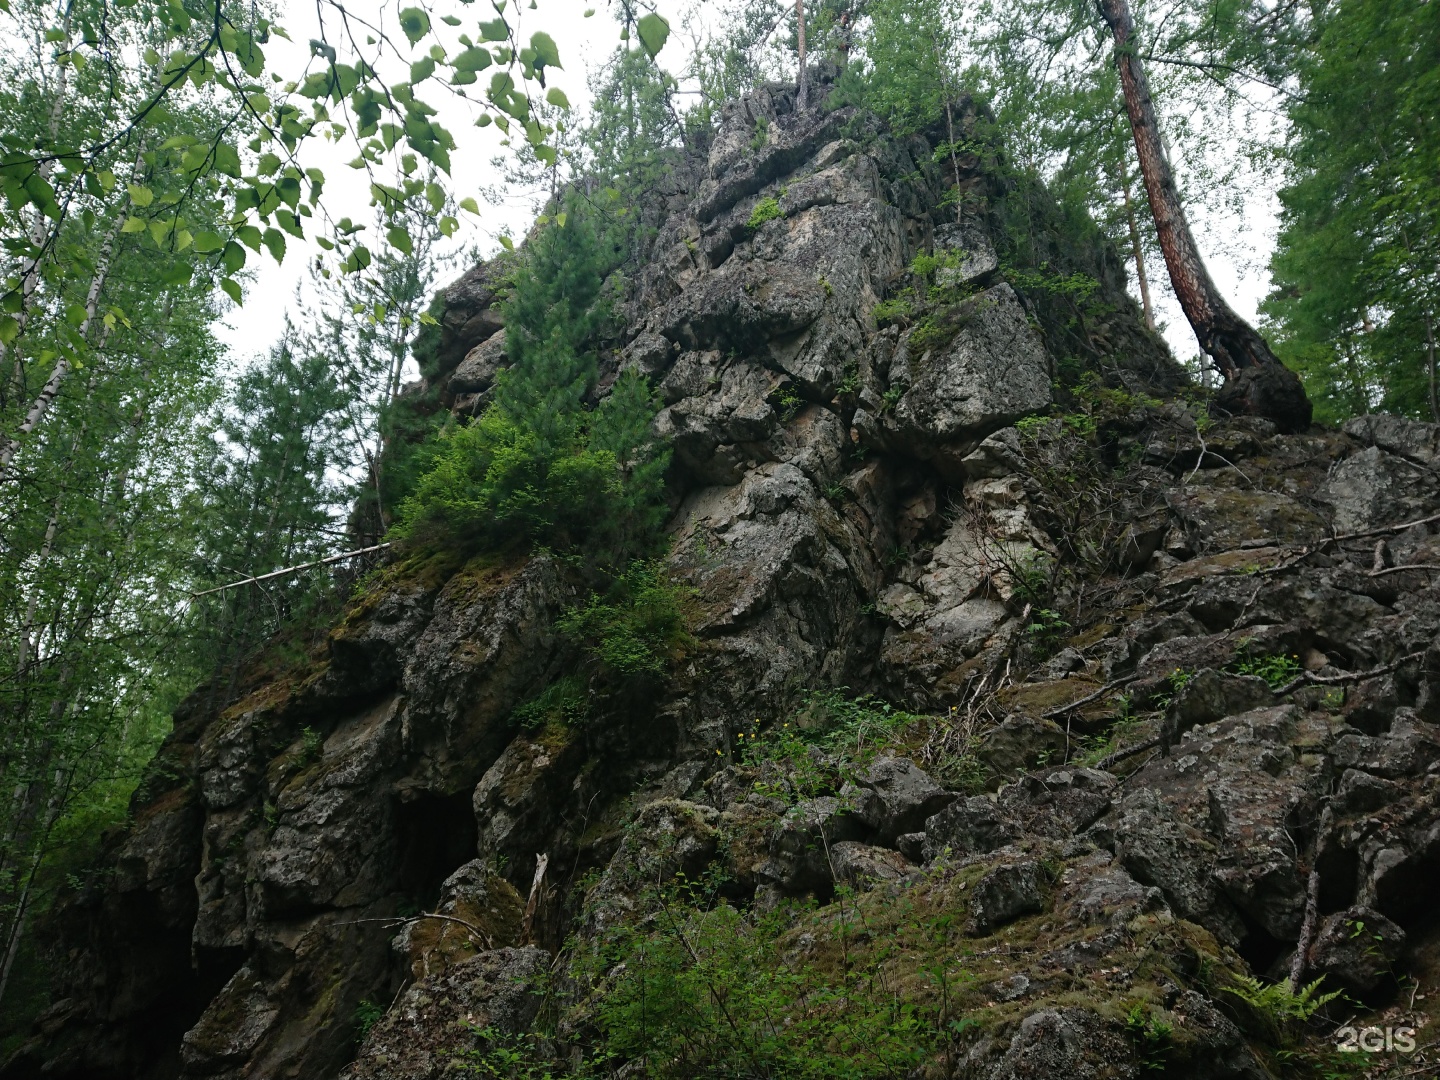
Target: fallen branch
1290,557
292,570
399,920
1128,752
1061,710
1384,530
1347,677
1307,927
1399,569
527,922
1138,769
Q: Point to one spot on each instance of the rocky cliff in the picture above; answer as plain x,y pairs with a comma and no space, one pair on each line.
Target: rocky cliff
1163,691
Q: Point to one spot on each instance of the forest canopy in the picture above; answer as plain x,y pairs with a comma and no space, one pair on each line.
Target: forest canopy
153,162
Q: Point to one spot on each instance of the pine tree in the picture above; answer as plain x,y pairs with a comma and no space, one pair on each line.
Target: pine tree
541,466
268,497
1356,305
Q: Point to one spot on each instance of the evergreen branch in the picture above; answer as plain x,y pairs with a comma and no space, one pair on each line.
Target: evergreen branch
1210,67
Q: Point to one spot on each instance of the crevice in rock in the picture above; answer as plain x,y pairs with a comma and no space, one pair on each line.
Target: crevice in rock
435,834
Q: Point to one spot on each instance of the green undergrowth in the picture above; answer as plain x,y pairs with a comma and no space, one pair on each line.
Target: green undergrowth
832,738
1277,669
564,702
545,465
638,625
876,984
767,209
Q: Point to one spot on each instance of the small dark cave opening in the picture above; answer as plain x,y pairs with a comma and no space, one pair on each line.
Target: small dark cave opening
1259,948
435,835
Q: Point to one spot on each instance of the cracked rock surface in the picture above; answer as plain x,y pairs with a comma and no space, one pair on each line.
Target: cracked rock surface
856,506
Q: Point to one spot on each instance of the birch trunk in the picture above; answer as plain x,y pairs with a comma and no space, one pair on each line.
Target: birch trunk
46,398
803,85
1140,275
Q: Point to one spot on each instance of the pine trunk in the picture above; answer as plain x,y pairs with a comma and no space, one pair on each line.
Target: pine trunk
1255,380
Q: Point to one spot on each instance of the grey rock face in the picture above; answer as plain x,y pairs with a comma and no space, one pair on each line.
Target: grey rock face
477,910
966,827
1397,435
1005,894
1408,749
1357,949
1374,488
894,797
225,1038
864,866
1065,1042
669,837
972,245
994,372
1060,803
476,373
802,846
1096,891
435,1021
1210,695
1019,743
1160,851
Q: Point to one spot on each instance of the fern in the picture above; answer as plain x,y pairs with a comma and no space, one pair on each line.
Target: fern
1278,1002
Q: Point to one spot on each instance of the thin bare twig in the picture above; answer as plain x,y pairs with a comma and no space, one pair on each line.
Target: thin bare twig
406,920
1349,676
1060,710
1128,752
293,569
1399,569
1307,927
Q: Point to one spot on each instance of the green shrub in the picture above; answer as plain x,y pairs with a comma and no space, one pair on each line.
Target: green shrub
930,333
367,1015
539,467
311,745
787,402
1046,629
1277,669
892,311
699,993
767,209
854,730
1277,1002
494,485
638,627
1151,1037
563,702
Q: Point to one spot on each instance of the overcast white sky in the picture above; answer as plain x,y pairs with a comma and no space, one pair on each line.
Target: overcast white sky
1236,244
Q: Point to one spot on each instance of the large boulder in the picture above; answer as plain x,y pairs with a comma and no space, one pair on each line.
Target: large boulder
968,827
1374,488
1006,893
1397,435
993,371
446,1017
895,796
1357,950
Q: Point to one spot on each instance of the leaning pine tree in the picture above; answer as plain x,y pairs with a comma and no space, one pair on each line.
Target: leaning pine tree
1256,382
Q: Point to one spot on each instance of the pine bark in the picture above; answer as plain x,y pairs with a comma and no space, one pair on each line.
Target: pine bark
1255,380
